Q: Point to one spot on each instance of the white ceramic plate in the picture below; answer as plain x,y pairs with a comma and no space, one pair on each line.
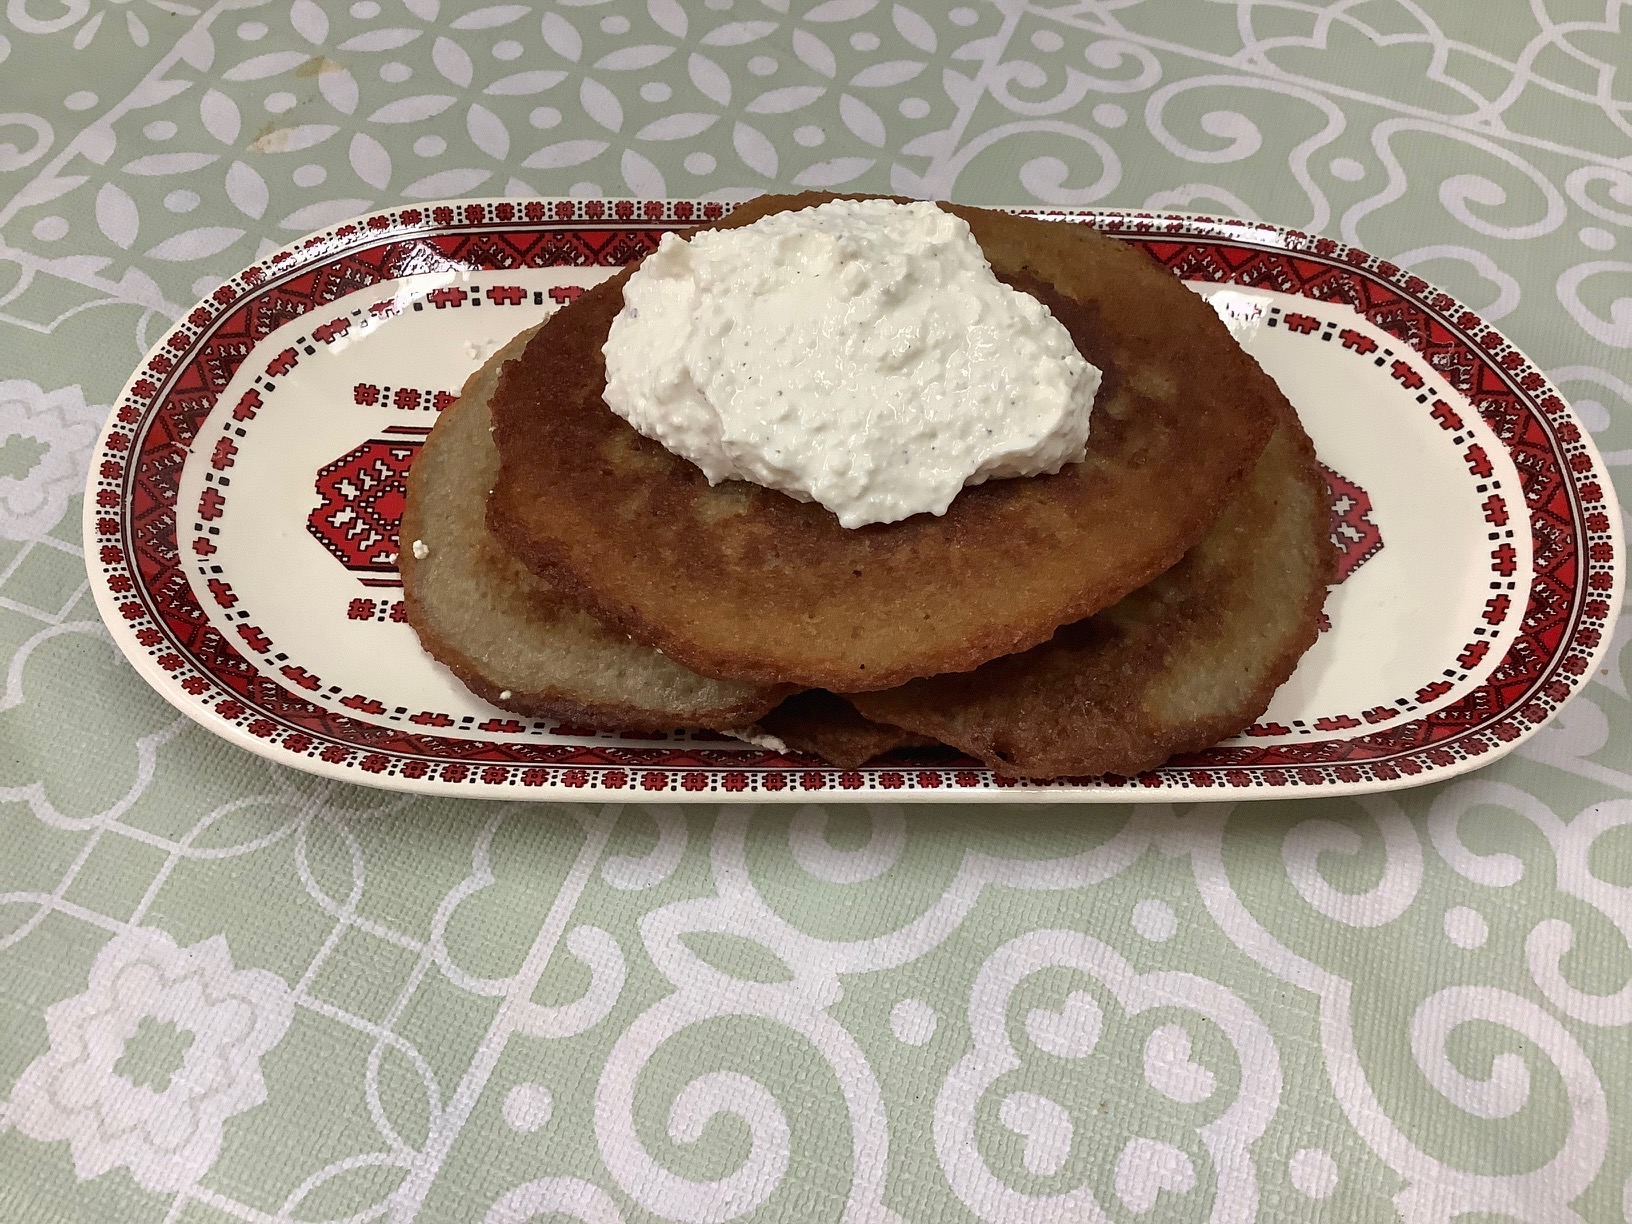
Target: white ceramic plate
241,518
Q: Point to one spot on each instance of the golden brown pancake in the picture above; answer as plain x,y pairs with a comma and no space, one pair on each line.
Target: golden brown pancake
1177,666
743,582
508,635
827,725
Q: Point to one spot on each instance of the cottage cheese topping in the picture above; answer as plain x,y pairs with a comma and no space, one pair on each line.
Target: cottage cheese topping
860,354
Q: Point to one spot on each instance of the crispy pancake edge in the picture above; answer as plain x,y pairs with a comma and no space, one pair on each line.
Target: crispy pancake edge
552,703
990,712
828,726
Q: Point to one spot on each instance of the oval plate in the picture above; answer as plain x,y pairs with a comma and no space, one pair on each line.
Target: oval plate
241,513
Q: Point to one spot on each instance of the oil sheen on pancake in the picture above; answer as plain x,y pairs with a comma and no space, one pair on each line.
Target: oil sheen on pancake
508,635
1177,666
743,583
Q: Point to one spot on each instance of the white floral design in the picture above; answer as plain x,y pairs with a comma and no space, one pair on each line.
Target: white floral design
76,11
33,503
169,1139
755,1003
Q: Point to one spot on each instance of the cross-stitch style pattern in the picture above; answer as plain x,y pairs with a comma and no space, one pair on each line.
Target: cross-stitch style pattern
231,991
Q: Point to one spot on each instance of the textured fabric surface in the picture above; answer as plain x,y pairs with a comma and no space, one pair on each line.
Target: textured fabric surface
233,992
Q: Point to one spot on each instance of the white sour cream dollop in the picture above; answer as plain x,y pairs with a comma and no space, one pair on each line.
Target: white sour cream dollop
860,354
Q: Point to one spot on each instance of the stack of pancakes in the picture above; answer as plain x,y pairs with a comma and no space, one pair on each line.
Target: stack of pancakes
1144,602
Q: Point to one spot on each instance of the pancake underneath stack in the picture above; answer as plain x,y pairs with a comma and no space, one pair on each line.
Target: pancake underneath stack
1144,602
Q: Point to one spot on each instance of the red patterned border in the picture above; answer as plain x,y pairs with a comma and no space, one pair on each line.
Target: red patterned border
1503,558
137,471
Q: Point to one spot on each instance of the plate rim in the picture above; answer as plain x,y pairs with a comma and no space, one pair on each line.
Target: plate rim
1135,222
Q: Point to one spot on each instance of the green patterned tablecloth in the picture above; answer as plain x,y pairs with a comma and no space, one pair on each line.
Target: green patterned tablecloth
233,992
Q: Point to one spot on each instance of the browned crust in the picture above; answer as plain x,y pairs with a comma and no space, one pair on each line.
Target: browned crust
561,706
450,466
1179,665
827,725
742,582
